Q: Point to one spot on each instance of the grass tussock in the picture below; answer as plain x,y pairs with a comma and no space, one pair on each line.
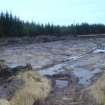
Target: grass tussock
4,102
98,90
25,88
35,88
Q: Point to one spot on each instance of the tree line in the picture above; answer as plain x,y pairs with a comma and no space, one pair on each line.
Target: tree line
11,26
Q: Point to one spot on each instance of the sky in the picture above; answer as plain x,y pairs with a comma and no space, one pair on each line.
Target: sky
62,12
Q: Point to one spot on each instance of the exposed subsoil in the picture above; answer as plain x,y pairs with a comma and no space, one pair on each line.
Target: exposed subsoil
71,65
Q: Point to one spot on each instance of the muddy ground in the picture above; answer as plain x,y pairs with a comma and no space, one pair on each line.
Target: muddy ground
72,65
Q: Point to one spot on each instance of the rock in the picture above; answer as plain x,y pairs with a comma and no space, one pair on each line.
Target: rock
3,66
16,69
99,51
4,69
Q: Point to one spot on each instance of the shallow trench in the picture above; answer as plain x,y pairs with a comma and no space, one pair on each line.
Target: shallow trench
68,82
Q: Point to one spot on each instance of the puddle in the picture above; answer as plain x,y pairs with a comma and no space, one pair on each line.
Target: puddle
99,51
61,83
85,75
57,69
74,57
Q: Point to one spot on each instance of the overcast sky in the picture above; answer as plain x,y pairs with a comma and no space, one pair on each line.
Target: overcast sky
61,12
